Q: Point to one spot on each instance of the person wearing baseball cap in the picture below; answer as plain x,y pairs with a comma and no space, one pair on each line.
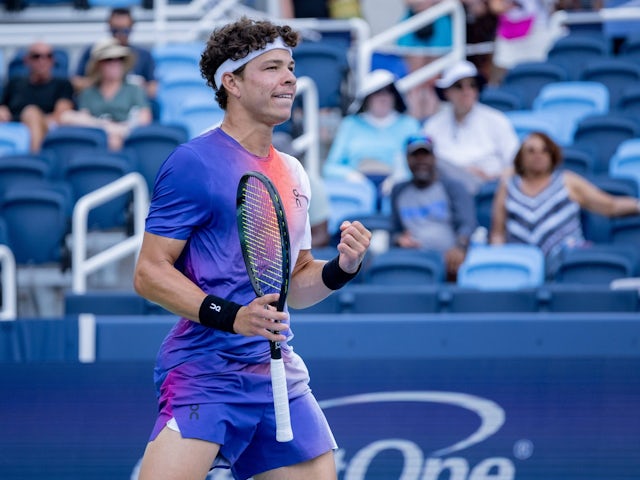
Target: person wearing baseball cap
431,211
475,142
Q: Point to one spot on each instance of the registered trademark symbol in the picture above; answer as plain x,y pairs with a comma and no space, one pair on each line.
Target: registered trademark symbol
523,449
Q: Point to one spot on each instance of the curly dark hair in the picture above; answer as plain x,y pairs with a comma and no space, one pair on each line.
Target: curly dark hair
552,147
236,40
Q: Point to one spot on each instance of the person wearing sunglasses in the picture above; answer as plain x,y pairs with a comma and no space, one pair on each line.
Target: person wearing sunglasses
38,99
431,211
120,25
476,143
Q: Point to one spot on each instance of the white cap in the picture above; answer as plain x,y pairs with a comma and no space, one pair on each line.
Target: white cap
458,71
373,82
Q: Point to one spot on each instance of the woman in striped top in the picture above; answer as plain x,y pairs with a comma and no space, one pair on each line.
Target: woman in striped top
539,204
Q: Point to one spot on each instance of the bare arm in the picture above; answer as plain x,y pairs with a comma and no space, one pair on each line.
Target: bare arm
499,215
591,198
307,287
156,279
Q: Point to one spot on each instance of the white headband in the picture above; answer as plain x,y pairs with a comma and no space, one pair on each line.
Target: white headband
230,66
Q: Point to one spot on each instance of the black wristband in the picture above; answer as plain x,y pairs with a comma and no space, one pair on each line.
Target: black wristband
218,313
334,277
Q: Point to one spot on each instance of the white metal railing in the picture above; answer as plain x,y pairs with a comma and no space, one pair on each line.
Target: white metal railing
562,18
385,38
9,309
309,141
81,265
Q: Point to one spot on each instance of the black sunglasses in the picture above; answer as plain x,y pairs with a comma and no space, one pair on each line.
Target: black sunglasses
460,84
38,56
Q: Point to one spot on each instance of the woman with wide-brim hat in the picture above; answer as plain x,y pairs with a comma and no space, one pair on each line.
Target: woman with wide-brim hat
112,102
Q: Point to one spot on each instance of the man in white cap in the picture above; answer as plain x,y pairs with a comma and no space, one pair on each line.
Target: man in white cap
475,142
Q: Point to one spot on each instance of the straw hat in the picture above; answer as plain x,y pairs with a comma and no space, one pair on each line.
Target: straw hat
106,49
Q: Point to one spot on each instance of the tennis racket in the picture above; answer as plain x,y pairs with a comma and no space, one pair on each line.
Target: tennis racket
264,239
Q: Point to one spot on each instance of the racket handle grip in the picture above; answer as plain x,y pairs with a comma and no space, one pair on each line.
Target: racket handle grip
281,401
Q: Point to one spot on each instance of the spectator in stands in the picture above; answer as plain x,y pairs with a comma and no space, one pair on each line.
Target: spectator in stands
39,99
111,103
422,99
370,139
475,142
522,34
432,211
143,71
539,204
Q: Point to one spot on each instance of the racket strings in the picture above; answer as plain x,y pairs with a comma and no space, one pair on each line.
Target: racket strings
262,237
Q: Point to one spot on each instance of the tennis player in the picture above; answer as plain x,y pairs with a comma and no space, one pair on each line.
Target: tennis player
212,373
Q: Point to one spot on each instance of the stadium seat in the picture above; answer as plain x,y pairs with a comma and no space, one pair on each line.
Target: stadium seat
104,303
150,145
528,78
625,162
22,171
368,298
327,65
626,231
457,299
501,99
396,64
502,267
572,52
581,297
198,116
400,266
570,102
577,160
630,48
37,223
176,57
601,135
526,121
15,138
86,172
629,102
349,199
599,264
65,141
173,94
615,73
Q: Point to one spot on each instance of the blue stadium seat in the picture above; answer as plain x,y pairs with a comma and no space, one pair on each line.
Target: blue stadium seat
150,145
37,223
616,73
400,266
570,102
176,57
484,202
501,99
630,48
625,162
502,267
581,297
17,67
456,299
173,94
577,160
396,64
327,65
629,102
601,135
572,52
349,199
198,116
526,79
15,138
367,298
104,303
599,264
626,231
65,141
526,121
86,172
22,171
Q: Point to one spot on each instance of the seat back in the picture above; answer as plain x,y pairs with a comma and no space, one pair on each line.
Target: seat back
65,141
501,99
626,231
596,265
349,200
15,138
502,267
172,95
577,160
528,78
17,67
22,171
150,145
572,52
625,162
327,65
616,73
197,116
176,57
484,202
400,266
37,222
88,172
601,135
526,121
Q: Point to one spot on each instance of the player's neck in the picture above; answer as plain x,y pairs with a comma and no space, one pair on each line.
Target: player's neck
255,138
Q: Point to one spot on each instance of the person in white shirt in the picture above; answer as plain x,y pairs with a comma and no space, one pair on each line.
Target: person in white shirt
475,142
